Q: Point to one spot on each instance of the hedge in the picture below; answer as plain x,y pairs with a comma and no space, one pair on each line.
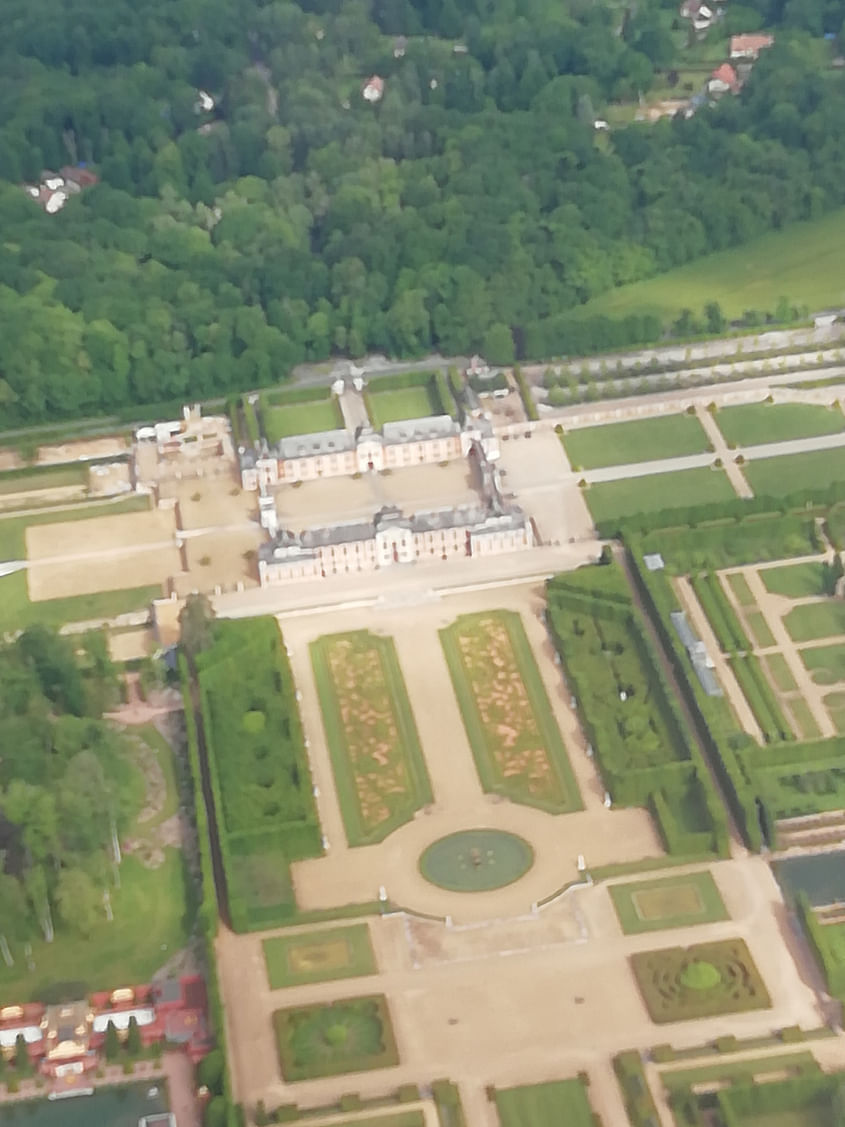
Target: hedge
720,614
760,696
636,1095
528,401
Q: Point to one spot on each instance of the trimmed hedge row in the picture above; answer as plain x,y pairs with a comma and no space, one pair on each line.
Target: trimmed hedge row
636,1095
761,698
528,401
720,614
831,967
220,1108
810,1091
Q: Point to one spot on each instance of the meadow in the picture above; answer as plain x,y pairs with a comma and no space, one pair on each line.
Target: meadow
641,440
610,500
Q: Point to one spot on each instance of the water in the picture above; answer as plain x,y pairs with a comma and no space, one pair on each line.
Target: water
115,1107
821,876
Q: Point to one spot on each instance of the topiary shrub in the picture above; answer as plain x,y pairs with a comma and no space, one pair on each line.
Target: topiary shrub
253,721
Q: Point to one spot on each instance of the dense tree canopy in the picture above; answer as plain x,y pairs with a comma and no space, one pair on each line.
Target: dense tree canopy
473,204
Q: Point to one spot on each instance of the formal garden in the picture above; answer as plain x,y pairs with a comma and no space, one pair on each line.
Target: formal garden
541,1105
667,902
349,1035
409,395
476,860
258,766
646,753
286,413
681,983
513,733
299,958
380,773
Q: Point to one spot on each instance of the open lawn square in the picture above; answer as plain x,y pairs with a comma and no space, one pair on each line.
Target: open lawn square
290,419
824,619
351,1035
513,733
755,423
826,664
319,956
641,440
678,901
378,764
795,581
778,477
610,500
403,403
680,983
561,1102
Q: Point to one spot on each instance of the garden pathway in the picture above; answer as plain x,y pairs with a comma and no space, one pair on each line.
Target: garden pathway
735,475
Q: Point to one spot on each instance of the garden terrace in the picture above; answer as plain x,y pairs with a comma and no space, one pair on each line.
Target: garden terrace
409,395
539,1105
285,414
754,424
350,1035
640,740
379,769
781,477
679,984
511,728
260,777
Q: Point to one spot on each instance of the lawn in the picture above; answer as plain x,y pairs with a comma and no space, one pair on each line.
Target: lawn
664,902
803,262
506,711
414,1118
151,923
792,473
541,1105
17,612
680,983
13,528
826,664
796,581
755,620
610,500
816,620
350,1035
300,418
379,769
742,592
808,729
835,705
639,441
740,1070
780,672
319,956
50,477
755,423
402,403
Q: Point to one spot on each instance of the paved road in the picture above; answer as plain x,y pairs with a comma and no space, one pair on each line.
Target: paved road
695,461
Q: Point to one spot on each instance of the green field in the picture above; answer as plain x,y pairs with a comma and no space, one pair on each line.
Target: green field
679,983
349,1035
780,672
664,902
796,581
802,262
756,423
561,1102
826,664
612,499
816,620
319,956
402,403
151,923
778,477
300,418
380,772
835,705
506,711
808,729
47,477
641,440
755,620
17,612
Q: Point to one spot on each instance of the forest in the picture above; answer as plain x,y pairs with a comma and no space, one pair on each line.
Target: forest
67,788
474,207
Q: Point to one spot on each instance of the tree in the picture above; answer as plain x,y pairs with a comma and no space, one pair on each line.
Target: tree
498,345
23,1063
134,1045
716,320
111,1045
196,624
79,901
